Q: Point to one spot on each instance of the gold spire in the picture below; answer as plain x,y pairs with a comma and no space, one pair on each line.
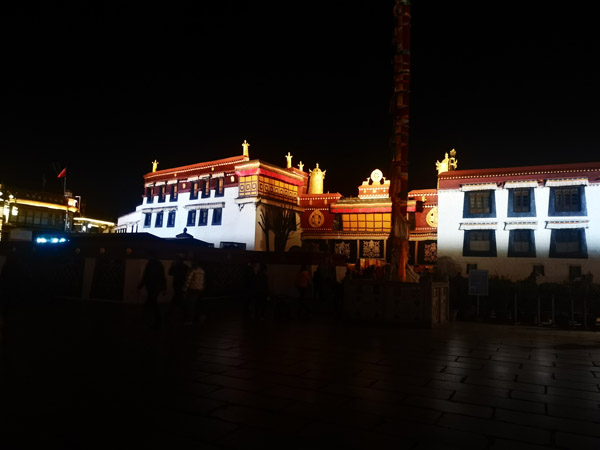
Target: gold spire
317,176
245,146
154,165
289,160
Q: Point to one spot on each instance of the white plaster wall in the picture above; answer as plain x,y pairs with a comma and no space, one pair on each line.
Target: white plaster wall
450,237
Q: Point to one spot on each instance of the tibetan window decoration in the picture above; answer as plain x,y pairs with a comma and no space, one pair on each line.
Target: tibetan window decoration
371,249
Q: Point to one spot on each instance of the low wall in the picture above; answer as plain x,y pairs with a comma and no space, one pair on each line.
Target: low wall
412,304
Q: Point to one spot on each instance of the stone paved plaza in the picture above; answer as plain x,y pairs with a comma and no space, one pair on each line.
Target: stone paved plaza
93,375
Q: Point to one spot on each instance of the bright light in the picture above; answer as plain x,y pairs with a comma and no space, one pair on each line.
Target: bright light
51,240
41,240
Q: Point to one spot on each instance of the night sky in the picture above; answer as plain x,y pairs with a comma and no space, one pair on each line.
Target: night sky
104,90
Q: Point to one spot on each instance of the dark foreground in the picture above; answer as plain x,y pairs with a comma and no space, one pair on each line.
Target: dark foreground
95,376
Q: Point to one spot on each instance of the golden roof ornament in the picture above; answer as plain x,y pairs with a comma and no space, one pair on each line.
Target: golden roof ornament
448,163
289,160
301,166
317,176
245,146
154,165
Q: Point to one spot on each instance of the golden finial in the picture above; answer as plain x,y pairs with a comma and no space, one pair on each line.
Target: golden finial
154,165
289,160
301,166
317,176
245,146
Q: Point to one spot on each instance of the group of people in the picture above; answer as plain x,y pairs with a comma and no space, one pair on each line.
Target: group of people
188,284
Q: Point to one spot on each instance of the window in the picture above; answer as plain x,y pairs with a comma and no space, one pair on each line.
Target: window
171,219
568,243
191,219
149,195
158,222
194,190
521,202
521,243
174,192
162,193
147,220
567,201
217,214
220,189
203,220
479,204
479,243
206,188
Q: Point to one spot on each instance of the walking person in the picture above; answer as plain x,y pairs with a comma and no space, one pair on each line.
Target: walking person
178,270
155,282
194,289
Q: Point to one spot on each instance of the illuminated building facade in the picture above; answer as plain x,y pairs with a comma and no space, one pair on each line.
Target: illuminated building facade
423,217
27,214
222,202
356,227
537,221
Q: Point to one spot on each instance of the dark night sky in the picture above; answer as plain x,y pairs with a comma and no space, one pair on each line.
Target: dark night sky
105,90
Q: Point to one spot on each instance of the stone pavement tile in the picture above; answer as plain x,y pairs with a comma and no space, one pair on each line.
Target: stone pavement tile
581,377
193,387
434,366
499,402
496,429
331,436
203,366
260,418
556,400
369,393
551,381
401,390
586,395
502,384
576,442
235,383
394,412
246,398
449,406
503,444
418,378
478,365
549,423
304,395
468,388
432,437
579,412
275,367
293,381
332,413
574,366
393,376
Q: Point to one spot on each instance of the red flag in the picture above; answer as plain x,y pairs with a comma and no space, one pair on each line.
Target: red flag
63,173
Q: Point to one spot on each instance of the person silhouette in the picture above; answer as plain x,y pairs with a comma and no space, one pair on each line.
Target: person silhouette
155,282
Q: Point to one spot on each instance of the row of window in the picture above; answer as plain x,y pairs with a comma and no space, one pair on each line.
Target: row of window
191,219
197,188
564,201
564,243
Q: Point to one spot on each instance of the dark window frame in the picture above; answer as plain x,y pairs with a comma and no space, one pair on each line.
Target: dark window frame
191,218
174,192
219,187
491,204
468,237
512,238
158,221
150,194
562,233
203,217
162,193
206,188
171,219
147,220
514,207
558,205
217,216
194,190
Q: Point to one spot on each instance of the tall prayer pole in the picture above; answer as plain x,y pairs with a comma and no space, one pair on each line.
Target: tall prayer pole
400,116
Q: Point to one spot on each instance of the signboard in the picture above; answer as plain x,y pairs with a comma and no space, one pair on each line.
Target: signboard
478,282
